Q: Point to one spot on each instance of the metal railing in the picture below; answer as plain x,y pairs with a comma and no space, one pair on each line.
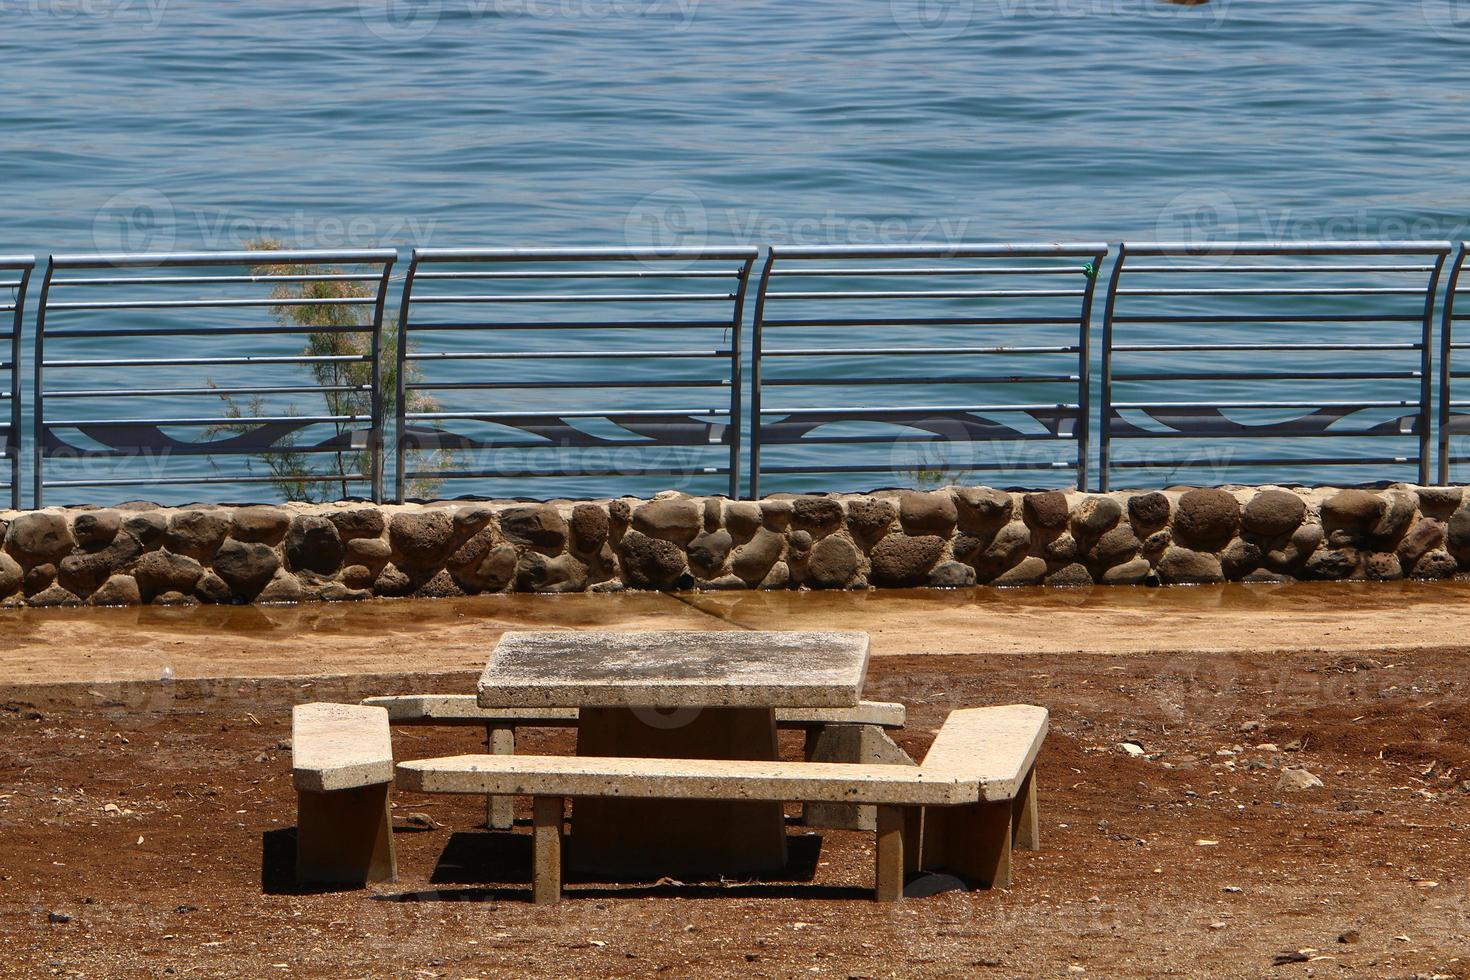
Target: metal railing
996,336
970,359
15,277
1370,304
1454,414
115,331
521,316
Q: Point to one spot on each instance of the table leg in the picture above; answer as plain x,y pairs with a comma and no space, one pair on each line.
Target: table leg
648,839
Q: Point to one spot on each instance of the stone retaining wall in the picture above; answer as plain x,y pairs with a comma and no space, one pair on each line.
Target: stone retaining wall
947,538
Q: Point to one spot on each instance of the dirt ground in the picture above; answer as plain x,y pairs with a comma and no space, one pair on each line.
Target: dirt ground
145,830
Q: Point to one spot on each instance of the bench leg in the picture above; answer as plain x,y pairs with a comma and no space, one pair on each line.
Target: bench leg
500,810
345,837
913,835
888,871
1026,833
546,849
971,841
864,744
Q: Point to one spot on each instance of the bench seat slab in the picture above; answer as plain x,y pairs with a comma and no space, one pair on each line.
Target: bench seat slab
696,779
339,746
996,745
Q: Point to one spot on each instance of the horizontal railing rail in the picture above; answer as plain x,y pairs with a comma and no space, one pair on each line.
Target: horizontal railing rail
112,408
995,335
1165,302
662,350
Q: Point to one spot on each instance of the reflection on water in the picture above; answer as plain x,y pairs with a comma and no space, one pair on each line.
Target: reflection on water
1306,597
371,618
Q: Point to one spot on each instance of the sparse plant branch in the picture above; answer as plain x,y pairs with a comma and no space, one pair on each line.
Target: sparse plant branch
343,370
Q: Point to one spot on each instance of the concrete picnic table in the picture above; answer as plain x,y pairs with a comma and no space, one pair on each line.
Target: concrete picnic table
676,695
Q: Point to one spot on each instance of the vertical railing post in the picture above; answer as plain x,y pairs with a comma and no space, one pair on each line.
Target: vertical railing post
737,372
38,392
1426,367
1105,380
1084,373
1446,358
755,374
400,387
24,268
378,422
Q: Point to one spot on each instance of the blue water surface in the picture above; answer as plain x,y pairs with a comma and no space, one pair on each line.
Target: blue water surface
185,124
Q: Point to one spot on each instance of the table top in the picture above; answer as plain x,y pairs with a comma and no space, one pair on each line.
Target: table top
729,668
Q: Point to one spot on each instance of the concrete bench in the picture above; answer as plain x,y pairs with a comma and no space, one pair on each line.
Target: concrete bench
832,735
342,766
997,746
960,811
